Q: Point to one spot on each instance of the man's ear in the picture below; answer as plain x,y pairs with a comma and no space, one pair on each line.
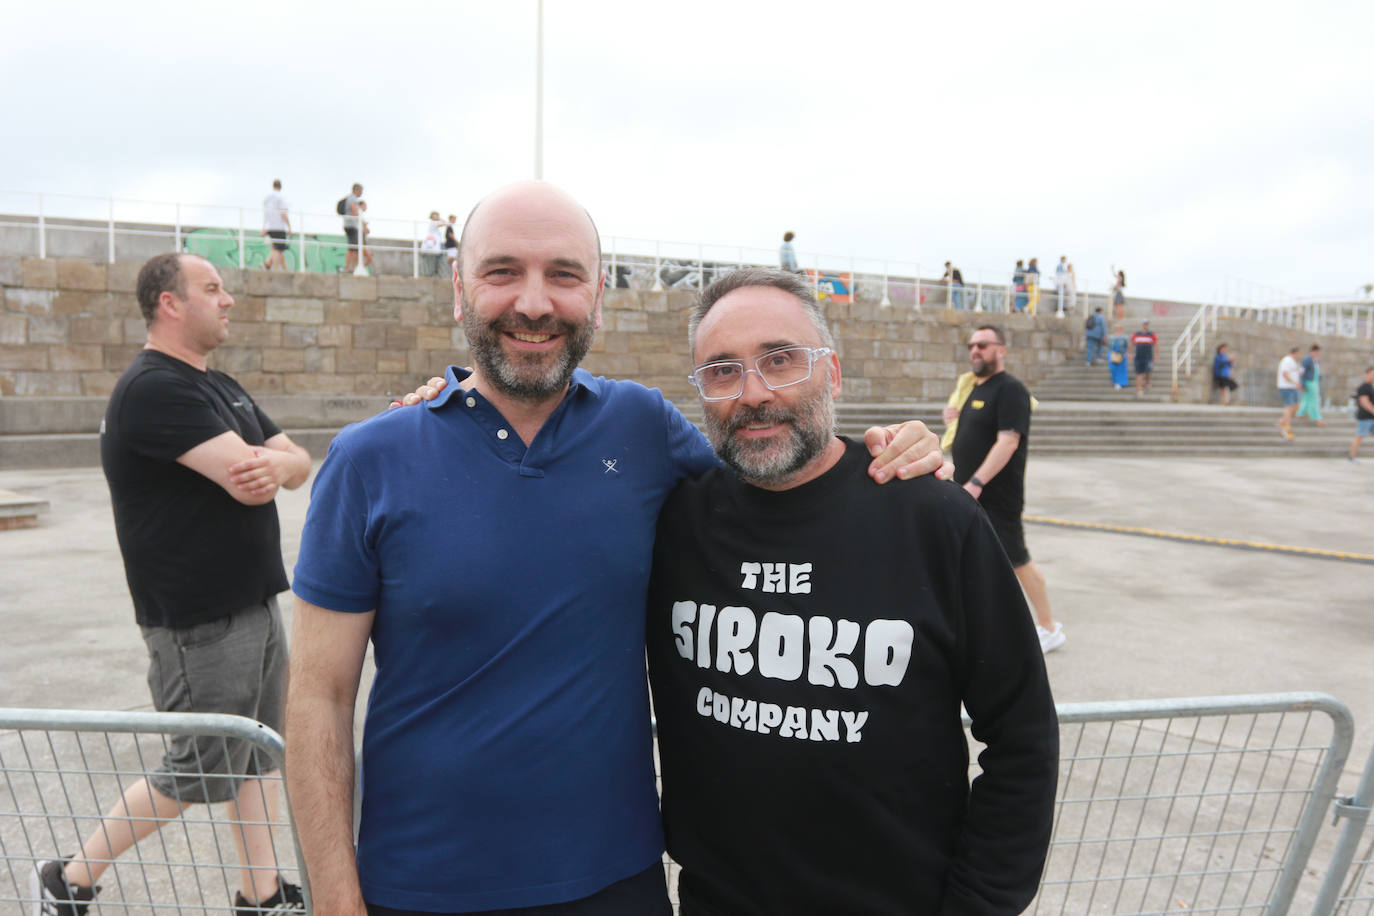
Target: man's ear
168,304
600,291
457,295
834,375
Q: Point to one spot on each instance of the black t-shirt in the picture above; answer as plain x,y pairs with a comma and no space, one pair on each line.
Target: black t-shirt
808,652
1367,390
192,553
1000,403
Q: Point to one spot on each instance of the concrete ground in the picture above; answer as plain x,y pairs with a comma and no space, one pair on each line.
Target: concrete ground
1145,618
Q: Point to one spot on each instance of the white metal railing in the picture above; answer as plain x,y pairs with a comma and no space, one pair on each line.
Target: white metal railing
1331,317
652,263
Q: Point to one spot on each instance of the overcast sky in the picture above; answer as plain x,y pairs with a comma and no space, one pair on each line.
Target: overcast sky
1188,143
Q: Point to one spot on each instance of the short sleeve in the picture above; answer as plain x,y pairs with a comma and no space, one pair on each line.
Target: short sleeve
689,454
269,429
163,417
1013,409
337,567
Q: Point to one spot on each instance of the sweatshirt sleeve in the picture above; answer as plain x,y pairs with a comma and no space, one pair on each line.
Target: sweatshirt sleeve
1005,837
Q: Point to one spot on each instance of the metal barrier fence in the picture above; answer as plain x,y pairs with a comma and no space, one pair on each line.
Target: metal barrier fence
63,770
1197,805
1348,888
1211,805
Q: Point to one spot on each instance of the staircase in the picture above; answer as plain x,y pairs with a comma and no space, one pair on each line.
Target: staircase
1075,381
62,432
1137,429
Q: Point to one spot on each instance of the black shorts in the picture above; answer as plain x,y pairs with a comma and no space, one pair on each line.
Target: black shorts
1013,537
644,894
1144,366
351,233
278,237
1220,381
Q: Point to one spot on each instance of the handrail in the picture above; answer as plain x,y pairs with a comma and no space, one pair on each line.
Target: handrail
982,286
1353,318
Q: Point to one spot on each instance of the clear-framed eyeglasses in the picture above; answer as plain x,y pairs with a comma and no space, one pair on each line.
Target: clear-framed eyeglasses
723,380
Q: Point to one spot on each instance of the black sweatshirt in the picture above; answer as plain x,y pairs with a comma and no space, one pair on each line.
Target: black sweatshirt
808,651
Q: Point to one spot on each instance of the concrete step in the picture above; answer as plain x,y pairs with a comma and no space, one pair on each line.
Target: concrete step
62,432
82,450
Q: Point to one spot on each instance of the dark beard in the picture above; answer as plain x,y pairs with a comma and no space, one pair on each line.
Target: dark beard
529,377
813,425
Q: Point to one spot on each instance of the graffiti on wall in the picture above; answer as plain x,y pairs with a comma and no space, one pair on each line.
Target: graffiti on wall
323,253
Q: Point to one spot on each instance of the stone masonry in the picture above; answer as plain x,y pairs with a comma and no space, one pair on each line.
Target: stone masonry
69,327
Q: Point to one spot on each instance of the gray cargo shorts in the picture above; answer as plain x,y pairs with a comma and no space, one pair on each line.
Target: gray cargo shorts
236,665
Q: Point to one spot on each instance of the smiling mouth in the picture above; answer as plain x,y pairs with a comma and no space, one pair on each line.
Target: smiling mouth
530,338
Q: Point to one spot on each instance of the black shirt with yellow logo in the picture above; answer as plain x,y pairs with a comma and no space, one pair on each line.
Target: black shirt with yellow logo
1000,403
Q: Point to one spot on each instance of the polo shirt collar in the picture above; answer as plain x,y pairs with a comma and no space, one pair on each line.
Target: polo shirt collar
581,381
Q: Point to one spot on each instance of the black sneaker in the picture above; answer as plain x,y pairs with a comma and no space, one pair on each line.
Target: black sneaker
53,896
288,899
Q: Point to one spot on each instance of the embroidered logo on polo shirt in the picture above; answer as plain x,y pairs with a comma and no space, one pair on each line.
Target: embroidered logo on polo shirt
610,465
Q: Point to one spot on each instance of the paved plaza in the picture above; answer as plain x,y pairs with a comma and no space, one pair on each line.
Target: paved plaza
1145,618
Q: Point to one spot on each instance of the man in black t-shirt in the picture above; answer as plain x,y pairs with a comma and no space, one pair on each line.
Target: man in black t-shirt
989,454
1364,412
810,641
193,467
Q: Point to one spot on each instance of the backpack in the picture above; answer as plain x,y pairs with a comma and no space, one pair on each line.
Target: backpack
341,207
1089,324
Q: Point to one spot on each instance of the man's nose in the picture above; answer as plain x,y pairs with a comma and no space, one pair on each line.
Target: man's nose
533,300
755,391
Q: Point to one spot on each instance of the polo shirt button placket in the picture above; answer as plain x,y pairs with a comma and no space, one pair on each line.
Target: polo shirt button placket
471,402
502,434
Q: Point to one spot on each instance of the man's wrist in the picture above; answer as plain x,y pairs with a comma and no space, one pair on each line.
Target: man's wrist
976,482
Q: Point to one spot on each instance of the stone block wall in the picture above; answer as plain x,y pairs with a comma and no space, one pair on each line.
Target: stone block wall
69,327
1257,348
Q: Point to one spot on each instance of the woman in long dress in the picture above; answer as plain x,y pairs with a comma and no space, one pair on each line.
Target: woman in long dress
1116,357
1311,404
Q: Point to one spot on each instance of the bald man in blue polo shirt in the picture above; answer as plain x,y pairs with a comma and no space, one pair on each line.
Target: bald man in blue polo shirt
495,546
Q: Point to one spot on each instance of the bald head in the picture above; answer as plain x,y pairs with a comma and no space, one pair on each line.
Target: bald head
529,209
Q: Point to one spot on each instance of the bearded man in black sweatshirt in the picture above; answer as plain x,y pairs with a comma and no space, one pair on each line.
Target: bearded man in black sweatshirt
810,644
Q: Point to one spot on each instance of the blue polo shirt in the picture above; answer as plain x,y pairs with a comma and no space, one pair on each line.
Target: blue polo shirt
507,756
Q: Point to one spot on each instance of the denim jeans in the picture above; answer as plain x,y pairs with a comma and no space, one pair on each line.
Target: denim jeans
1095,348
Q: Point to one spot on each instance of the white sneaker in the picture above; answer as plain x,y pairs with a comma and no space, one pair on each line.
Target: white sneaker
1050,639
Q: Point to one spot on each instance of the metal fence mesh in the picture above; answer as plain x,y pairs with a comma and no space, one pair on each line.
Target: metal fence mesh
57,783
1189,814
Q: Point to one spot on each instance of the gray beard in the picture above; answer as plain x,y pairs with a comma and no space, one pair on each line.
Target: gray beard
770,463
527,377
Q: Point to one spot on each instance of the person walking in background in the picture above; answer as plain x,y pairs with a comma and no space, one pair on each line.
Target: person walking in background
1094,333
451,243
1289,383
1018,283
1119,349
989,453
1145,342
1060,273
194,466
1364,413
787,256
954,282
276,223
349,210
363,231
1071,289
432,248
1310,403
1119,293
1221,373
1033,285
